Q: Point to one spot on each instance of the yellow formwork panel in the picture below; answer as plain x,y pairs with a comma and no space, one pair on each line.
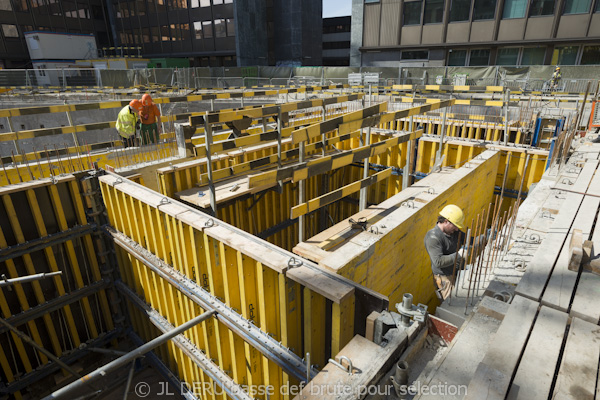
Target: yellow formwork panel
235,272
32,211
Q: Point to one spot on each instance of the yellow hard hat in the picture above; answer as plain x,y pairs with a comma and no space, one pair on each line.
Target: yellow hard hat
454,214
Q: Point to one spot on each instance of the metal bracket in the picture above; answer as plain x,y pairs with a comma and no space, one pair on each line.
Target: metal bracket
294,262
209,223
360,224
349,369
117,181
408,203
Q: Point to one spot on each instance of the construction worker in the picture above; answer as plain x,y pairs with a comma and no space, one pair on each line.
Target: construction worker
127,121
555,81
441,244
149,116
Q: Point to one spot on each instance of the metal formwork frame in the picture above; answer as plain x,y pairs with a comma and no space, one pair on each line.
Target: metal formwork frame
178,259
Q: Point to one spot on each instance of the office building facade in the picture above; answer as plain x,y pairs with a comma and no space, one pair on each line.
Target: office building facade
336,41
62,16
475,32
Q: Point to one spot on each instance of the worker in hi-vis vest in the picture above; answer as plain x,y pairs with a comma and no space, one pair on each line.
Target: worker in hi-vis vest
127,121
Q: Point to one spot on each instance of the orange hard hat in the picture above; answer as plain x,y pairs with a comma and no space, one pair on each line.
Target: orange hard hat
146,100
136,104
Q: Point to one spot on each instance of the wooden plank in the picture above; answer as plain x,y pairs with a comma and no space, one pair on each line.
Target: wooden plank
585,303
487,383
577,375
538,271
559,291
585,176
506,346
594,188
536,369
321,283
575,250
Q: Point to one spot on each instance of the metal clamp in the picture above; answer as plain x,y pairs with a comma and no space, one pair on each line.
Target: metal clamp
360,224
430,191
533,238
117,181
234,187
294,262
546,214
568,181
374,230
209,223
349,369
163,201
408,203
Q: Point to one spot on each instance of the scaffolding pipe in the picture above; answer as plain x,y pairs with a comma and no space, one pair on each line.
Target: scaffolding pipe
129,357
42,350
28,278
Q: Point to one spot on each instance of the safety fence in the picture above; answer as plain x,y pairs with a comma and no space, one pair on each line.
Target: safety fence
574,78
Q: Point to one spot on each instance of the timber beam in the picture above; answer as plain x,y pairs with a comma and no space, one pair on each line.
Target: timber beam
55,304
31,246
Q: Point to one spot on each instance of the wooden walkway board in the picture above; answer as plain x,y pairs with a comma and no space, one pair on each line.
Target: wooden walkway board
506,347
585,303
536,370
538,271
559,291
577,375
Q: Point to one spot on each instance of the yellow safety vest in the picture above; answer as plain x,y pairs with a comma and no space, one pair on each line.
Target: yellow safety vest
126,122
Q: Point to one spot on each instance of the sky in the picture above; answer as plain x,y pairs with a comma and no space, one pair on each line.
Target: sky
336,8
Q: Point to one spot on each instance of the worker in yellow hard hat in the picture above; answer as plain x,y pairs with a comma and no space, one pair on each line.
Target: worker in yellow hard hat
441,244
555,80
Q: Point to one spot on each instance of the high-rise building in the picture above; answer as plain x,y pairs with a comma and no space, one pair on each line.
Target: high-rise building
475,32
336,41
64,16
223,32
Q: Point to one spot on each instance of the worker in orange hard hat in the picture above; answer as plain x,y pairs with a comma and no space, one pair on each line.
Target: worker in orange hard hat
441,244
149,115
127,120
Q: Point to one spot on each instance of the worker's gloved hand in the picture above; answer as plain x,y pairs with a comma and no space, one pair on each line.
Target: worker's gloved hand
462,252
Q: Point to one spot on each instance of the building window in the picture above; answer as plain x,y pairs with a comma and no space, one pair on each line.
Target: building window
185,31
174,33
371,1
10,31
591,55
146,35
198,30
230,27
434,11
160,6
228,2
412,13
20,5
484,9
5,5
414,55
459,10
165,35
533,56
457,58
207,29
220,30
200,3
217,2
597,8
541,7
336,45
155,34
577,6
479,57
565,55
507,56
140,6
514,9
